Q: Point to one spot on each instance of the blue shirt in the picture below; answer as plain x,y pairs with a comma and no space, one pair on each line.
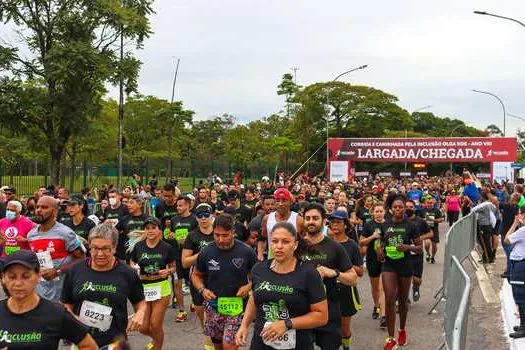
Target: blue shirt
472,192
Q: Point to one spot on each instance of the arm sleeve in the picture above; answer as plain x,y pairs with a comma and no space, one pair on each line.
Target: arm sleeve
72,329
518,236
315,286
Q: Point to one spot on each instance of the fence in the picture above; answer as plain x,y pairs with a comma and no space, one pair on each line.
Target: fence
459,242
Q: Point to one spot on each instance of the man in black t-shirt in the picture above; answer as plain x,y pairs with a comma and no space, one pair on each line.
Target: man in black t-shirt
334,266
433,217
115,211
222,277
243,214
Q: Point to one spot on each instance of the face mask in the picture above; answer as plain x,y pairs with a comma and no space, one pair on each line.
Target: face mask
10,215
409,212
112,201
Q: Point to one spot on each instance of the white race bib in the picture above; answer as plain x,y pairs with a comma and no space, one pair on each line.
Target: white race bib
286,341
152,293
95,315
45,260
113,222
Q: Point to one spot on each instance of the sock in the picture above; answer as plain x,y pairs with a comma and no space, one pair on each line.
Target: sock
347,342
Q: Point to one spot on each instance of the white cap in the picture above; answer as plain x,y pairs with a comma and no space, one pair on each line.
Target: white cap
265,179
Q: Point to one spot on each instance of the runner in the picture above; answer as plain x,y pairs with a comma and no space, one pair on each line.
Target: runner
28,321
116,211
283,202
348,296
334,265
372,233
222,277
452,207
197,240
97,290
433,217
56,246
415,194
288,298
362,214
14,229
329,204
396,242
155,259
80,223
134,221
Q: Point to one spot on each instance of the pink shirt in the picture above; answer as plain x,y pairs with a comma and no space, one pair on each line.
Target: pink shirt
13,229
453,203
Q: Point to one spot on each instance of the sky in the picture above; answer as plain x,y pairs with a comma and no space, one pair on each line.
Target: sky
233,54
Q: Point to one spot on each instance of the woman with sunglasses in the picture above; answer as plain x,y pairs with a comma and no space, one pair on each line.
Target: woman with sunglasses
194,243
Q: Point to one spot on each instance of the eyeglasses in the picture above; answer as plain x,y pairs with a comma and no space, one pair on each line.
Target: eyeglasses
204,214
105,250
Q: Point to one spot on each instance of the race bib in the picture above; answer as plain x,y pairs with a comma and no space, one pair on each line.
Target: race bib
11,249
95,315
393,253
229,306
152,293
113,222
181,234
286,341
45,260
430,220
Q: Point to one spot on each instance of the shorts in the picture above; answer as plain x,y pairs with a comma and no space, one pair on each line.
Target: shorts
329,336
517,281
417,265
221,329
165,287
373,267
435,237
403,267
182,273
196,297
349,301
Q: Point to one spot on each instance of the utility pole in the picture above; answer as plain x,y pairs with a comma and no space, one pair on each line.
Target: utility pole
120,112
171,124
295,69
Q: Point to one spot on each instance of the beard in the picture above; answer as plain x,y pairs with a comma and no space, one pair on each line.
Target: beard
42,219
312,230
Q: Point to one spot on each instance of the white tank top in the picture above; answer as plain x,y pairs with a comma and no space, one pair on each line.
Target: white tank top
272,220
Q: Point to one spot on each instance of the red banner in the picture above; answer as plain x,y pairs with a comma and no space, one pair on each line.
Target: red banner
449,149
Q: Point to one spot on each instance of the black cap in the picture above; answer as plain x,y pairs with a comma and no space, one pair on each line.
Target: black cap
22,257
75,200
230,210
152,220
9,189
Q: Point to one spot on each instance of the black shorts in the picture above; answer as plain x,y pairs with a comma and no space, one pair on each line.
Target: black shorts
182,273
435,237
328,337
349,301
196,298
417,265
373,267
403,267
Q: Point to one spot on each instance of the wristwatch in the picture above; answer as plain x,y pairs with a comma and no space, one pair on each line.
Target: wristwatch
58,272
337,273
288,323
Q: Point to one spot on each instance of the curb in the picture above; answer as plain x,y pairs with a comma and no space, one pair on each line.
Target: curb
510,318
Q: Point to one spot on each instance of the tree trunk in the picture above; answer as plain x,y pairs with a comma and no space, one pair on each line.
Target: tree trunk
56,151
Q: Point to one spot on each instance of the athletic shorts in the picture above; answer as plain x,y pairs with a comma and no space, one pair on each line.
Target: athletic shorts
417,265
221,329
328,337
182,273
374,268
165,287
196,298
403,267
435,237
349,301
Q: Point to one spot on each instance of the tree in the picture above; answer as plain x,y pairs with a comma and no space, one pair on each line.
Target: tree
72,50
288,88
493,130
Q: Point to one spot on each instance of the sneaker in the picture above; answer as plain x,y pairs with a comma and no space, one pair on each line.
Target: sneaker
518,334
181,316
428,257
517,328
382,322
375,313
149,346
415,294
402,339
432,260
185,290
504,275
390,344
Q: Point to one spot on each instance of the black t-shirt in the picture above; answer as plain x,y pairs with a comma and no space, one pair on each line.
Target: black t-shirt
430,215
226,270
217,206
256,224
363,214
181,226
403,232
368,230
508,213
243,214
151,260
83,228
352,249
111,288
63,215
114,215
331,254
250,205
39,329
282,296
197,240
126,225
165,212
421,225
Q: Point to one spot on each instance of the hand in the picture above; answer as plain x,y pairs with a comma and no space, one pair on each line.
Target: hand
274,330
244,291
171,235
49,274
20,239
136,322
241,336
326,272
208,295
376,235
402,247
260,256
164,273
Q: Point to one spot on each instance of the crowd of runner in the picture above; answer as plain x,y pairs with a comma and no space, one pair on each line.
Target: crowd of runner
285,255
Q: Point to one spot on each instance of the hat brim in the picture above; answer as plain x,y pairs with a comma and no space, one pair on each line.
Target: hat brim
26,264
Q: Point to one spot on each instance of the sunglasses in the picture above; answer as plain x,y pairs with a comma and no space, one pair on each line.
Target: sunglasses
204,214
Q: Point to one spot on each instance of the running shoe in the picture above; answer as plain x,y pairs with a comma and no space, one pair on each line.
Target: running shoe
382,322
149,346
390,344
415,294
428,257
375,313
185,290
402,339
181,316
432,260
517,328
518,334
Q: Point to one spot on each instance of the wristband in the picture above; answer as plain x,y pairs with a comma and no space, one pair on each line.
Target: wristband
200,290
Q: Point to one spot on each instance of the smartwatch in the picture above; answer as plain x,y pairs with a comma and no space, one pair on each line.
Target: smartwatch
288,323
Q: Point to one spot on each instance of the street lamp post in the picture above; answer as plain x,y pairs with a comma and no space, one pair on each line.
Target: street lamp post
498,16
406,129
502,106
328,114
457,127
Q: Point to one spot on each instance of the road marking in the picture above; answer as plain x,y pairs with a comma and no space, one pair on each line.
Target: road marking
489,294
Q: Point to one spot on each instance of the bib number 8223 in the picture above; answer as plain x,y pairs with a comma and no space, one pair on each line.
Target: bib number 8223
94,315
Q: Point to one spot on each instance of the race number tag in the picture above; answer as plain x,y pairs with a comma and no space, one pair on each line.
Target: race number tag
45,260
393,253
430,220
11,249
95,315
229,306
286,341
152,293
113,222
181,234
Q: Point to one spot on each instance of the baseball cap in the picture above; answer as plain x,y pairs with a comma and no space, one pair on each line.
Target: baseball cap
265,179
339,214
152,221
233,195
22,257
414,183
75,200
282,193
8,189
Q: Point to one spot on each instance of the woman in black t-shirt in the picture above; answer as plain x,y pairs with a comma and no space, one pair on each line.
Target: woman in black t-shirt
28,321
288,298
362,215
399,238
